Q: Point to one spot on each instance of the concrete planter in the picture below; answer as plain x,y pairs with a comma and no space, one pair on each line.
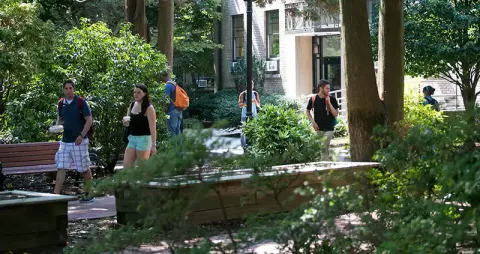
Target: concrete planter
29,220
239,196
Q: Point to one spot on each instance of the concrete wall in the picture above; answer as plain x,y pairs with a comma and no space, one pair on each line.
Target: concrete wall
303,48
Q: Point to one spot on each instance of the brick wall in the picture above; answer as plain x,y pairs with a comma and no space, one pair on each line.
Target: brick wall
273,83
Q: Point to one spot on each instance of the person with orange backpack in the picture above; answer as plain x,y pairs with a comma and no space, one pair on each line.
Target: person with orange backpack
179,101
76,118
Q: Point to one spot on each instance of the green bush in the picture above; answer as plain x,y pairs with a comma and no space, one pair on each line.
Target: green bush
278,130
226,107
423,199
201,105
239,74
280,100
192,123
223,105
341,129
105,68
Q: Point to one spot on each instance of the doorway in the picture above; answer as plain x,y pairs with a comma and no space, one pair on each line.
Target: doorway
326,61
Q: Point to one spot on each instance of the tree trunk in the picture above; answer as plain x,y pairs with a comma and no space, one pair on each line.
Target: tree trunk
135,11
391,53
165,29
364,107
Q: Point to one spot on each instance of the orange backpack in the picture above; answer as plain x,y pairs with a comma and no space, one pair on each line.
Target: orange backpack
182,101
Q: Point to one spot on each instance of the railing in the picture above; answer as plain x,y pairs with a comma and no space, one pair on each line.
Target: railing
447,102
341,97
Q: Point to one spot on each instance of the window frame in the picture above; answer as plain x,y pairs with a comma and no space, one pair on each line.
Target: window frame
235,20
269,33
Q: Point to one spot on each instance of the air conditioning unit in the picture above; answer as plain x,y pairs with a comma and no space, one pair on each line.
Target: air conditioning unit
232,65
272,66
202,83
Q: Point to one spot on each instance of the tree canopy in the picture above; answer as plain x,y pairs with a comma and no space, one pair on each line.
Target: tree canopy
442,38
24,45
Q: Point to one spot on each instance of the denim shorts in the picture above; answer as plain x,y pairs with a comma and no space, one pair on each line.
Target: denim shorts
141,143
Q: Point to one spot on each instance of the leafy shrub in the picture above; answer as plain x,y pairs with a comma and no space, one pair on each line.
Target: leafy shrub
341,129
277,130
239,74
162,214
226,107
223,105
105,68
192,123
202,105
280,100
421,200
25,48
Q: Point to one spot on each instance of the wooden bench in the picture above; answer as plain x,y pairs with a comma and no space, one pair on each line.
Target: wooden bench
28,158
31,158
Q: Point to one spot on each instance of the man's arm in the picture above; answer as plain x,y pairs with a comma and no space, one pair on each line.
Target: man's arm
87,114
309,115
86,127
332,107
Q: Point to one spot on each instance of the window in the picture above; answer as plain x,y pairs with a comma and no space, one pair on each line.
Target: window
238,36
331,46
273,38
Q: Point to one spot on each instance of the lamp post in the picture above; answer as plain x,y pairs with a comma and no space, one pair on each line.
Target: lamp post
249,58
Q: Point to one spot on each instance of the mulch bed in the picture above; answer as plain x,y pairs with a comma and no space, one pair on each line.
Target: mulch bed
44,183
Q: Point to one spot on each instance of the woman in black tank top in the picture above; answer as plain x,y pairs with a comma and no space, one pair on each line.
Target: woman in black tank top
141,121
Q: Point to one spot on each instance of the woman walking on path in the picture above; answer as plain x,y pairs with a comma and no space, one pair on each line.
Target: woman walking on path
141,121
242,103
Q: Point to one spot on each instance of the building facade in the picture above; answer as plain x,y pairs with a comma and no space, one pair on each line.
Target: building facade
298,52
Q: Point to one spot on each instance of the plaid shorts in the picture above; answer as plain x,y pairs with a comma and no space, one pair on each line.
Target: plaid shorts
71,156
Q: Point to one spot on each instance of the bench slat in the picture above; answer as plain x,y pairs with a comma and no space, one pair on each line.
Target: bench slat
30,144
43,157
28,163
30,169
10,149
26,154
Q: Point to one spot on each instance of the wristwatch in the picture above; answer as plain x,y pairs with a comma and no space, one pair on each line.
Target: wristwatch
84,137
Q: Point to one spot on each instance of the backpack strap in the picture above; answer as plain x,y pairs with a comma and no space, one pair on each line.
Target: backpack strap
60,103
313,102
80,103
174,90
130,108
244,94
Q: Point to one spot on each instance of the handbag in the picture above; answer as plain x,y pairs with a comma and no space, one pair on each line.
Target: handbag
126,133
126,130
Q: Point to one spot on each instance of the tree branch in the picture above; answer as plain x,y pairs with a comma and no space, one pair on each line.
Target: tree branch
449,78
455,68
477,74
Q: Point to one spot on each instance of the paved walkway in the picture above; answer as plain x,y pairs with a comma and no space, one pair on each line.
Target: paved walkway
102,207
